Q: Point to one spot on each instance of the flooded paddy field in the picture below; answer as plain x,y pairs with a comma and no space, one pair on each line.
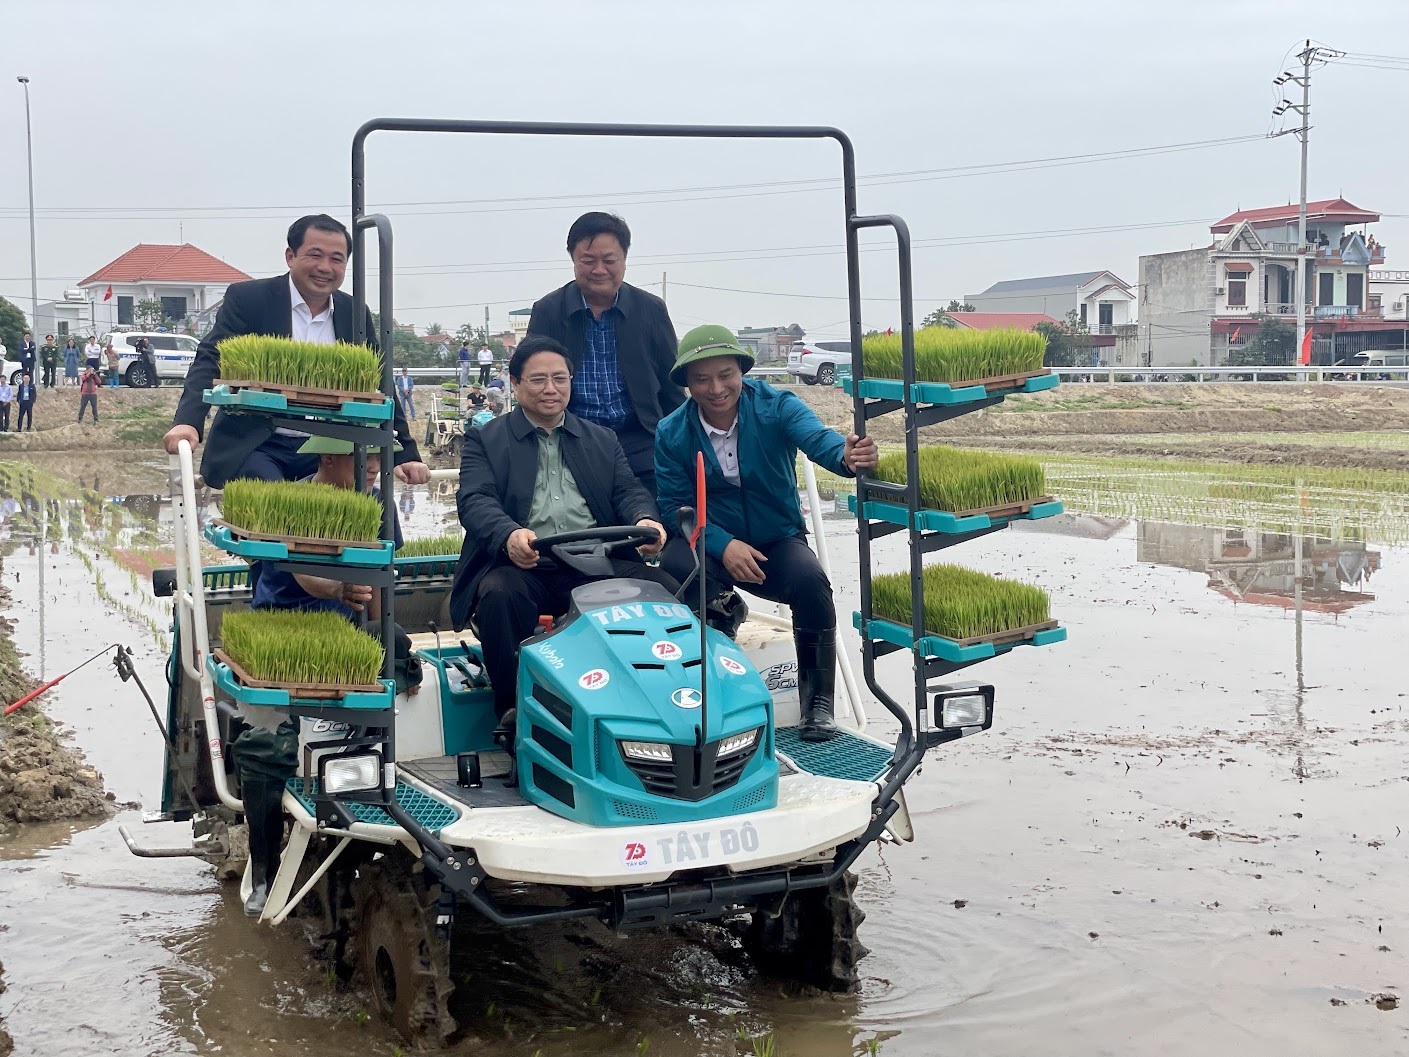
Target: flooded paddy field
1184,834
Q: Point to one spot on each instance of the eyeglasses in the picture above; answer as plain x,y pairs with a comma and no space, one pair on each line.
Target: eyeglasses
540,381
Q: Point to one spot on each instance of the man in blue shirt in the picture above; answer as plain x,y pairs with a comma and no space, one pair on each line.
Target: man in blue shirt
620,341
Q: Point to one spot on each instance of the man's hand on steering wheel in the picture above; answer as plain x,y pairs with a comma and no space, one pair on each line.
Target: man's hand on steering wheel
650,550
519,547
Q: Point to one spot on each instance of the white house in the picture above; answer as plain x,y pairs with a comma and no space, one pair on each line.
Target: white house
185,279
1101,300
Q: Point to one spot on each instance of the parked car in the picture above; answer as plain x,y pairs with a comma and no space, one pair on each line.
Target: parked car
172,353
819,363
10,367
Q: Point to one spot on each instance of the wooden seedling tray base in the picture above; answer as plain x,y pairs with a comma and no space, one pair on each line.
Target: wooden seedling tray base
332,399
1002,638
300,544
1003,381
310,691
1004,509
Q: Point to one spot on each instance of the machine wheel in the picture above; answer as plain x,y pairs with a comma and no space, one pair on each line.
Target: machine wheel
813,940
826,374
456,443
139,376
400,958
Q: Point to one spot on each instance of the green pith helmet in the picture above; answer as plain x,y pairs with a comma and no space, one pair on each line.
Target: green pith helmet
704,343
333,446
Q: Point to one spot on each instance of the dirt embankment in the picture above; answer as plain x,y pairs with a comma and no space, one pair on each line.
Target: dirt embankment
1193,421
41,778
127,419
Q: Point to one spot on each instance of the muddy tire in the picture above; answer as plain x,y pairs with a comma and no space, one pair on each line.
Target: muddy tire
230,867
814,939
400,960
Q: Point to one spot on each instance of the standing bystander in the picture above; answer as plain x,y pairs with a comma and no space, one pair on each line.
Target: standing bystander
24,397
111,354
7,394
404,386
88,393
71,362
92,352
29,354
49,360
462,363
486,364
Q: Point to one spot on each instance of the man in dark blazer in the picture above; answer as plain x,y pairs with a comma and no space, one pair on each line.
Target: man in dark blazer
306,304
539,470
619,338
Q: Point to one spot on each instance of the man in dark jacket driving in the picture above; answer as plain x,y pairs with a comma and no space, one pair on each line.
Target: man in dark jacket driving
538,471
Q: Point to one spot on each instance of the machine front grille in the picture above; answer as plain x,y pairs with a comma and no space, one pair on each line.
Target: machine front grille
676,779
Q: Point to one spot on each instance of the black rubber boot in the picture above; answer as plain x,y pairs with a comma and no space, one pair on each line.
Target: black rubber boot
816,682
265,816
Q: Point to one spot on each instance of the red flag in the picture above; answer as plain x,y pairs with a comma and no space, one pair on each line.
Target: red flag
700,493
889,332
1234,336
1304,359
109,295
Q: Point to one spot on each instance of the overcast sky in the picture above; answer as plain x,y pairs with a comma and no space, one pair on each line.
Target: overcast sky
218,124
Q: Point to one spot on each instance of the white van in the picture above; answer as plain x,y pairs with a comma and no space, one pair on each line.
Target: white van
173,353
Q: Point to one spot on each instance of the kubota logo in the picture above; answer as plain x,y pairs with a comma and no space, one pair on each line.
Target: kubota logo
634,855
686,697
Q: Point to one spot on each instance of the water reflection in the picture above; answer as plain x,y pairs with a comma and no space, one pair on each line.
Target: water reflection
1265,568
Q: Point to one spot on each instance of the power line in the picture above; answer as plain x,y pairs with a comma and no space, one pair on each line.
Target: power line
692,194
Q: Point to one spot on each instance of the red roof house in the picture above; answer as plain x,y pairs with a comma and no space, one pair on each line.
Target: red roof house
1326,211
187,281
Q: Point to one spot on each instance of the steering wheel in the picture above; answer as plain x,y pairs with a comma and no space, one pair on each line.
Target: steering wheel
588,551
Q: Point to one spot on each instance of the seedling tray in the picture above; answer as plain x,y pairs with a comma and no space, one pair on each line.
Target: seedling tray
953,524
233,679
964,651
954,392
258,546
334,405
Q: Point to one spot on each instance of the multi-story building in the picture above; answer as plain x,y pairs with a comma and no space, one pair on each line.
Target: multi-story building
1197,306
185,280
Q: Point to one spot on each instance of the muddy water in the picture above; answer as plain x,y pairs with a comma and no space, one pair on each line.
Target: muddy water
1177,839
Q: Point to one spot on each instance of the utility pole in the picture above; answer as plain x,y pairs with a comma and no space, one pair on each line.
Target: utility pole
33,267
486,325
1311,55
662,286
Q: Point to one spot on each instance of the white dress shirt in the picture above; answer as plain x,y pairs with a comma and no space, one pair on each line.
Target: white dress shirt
725,443
305,326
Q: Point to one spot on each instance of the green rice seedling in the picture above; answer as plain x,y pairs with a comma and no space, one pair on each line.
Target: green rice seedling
957,480
447,543
283,361
301,648
302,508
451,387
960,603
946,354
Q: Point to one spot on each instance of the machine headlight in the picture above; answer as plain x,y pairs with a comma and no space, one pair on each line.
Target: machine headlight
354,773
965,711
958,711
650,751
737,743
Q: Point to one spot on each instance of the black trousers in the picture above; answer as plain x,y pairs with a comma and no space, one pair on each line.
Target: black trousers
88,400
26,417
792,575
484,370
508,603
49,369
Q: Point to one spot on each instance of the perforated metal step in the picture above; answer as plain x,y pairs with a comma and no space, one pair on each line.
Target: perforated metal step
843,756
431,813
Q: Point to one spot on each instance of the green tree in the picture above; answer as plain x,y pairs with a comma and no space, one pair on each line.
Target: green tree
1274,345
12,325
148,314
1068,342
940,316
407,350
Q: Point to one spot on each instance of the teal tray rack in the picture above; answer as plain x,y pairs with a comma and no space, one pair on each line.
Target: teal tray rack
938,392
944,522
352,412
270,697
949,649
364,555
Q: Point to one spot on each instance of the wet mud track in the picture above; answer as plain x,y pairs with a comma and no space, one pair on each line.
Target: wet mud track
1174,841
